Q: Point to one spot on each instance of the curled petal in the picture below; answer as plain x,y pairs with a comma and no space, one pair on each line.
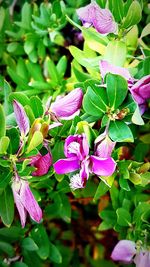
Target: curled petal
76,146
124,251
63,166
68,106
141,90
142,259
42,164
29,202
101,166
21,118
106,67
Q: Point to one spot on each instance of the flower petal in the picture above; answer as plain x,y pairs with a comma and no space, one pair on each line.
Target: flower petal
106,67
86,13
142,259
104,147
19,205
21,118
42,164
68,106
76,146
141,90
101,166
124,251
63,166
76,182
30,203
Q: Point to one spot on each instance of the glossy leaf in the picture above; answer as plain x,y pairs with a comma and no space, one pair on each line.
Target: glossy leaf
113,49
123,217
120,132
7,206
36,140
134,15
2,121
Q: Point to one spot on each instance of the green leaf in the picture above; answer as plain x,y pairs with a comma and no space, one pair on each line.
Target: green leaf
3,123
117,89
145,31
123,217
4,143
5,177
26,13
40,237
124,184
133,16
101,190
14,137
20,97
120,132
19,264
7,248
11,234
29,244
136,117
83,59
36,140
113,49
18,79
62,66
94,101
54,254
116,7
36,105
35,71
135,178
52,70
7,206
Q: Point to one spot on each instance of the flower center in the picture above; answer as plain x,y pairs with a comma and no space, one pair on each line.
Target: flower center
74,148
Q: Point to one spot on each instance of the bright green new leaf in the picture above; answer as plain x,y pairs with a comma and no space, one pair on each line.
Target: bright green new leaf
120,132
133,16
4,143
22,98
36,140
116,53
117,89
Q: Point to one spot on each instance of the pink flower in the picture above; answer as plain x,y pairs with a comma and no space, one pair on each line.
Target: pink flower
25,201
141,90
42,163
76,150
101,19
21,118
104,146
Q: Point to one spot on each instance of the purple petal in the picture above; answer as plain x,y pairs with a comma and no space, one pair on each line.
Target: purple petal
21,118
102,167
84,172
101,19
42,164
106,67
19,205
76,182
76,146
30,203
142,259
124,251
63,166
141,90
104,146
68,106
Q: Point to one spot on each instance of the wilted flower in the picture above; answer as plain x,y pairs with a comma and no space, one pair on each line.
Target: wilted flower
42,163
141,90
76,150
25,201
67,107
101,19
106,67
21,118
127,252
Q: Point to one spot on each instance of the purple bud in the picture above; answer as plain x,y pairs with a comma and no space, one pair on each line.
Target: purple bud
42,164
21,118
68,107
124,251
104,146
101,19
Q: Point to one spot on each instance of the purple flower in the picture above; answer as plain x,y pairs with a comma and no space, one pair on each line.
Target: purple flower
67,107
106,67
126,251
76,150
101,19
104,146
25,201
141,90
21,118
42,163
